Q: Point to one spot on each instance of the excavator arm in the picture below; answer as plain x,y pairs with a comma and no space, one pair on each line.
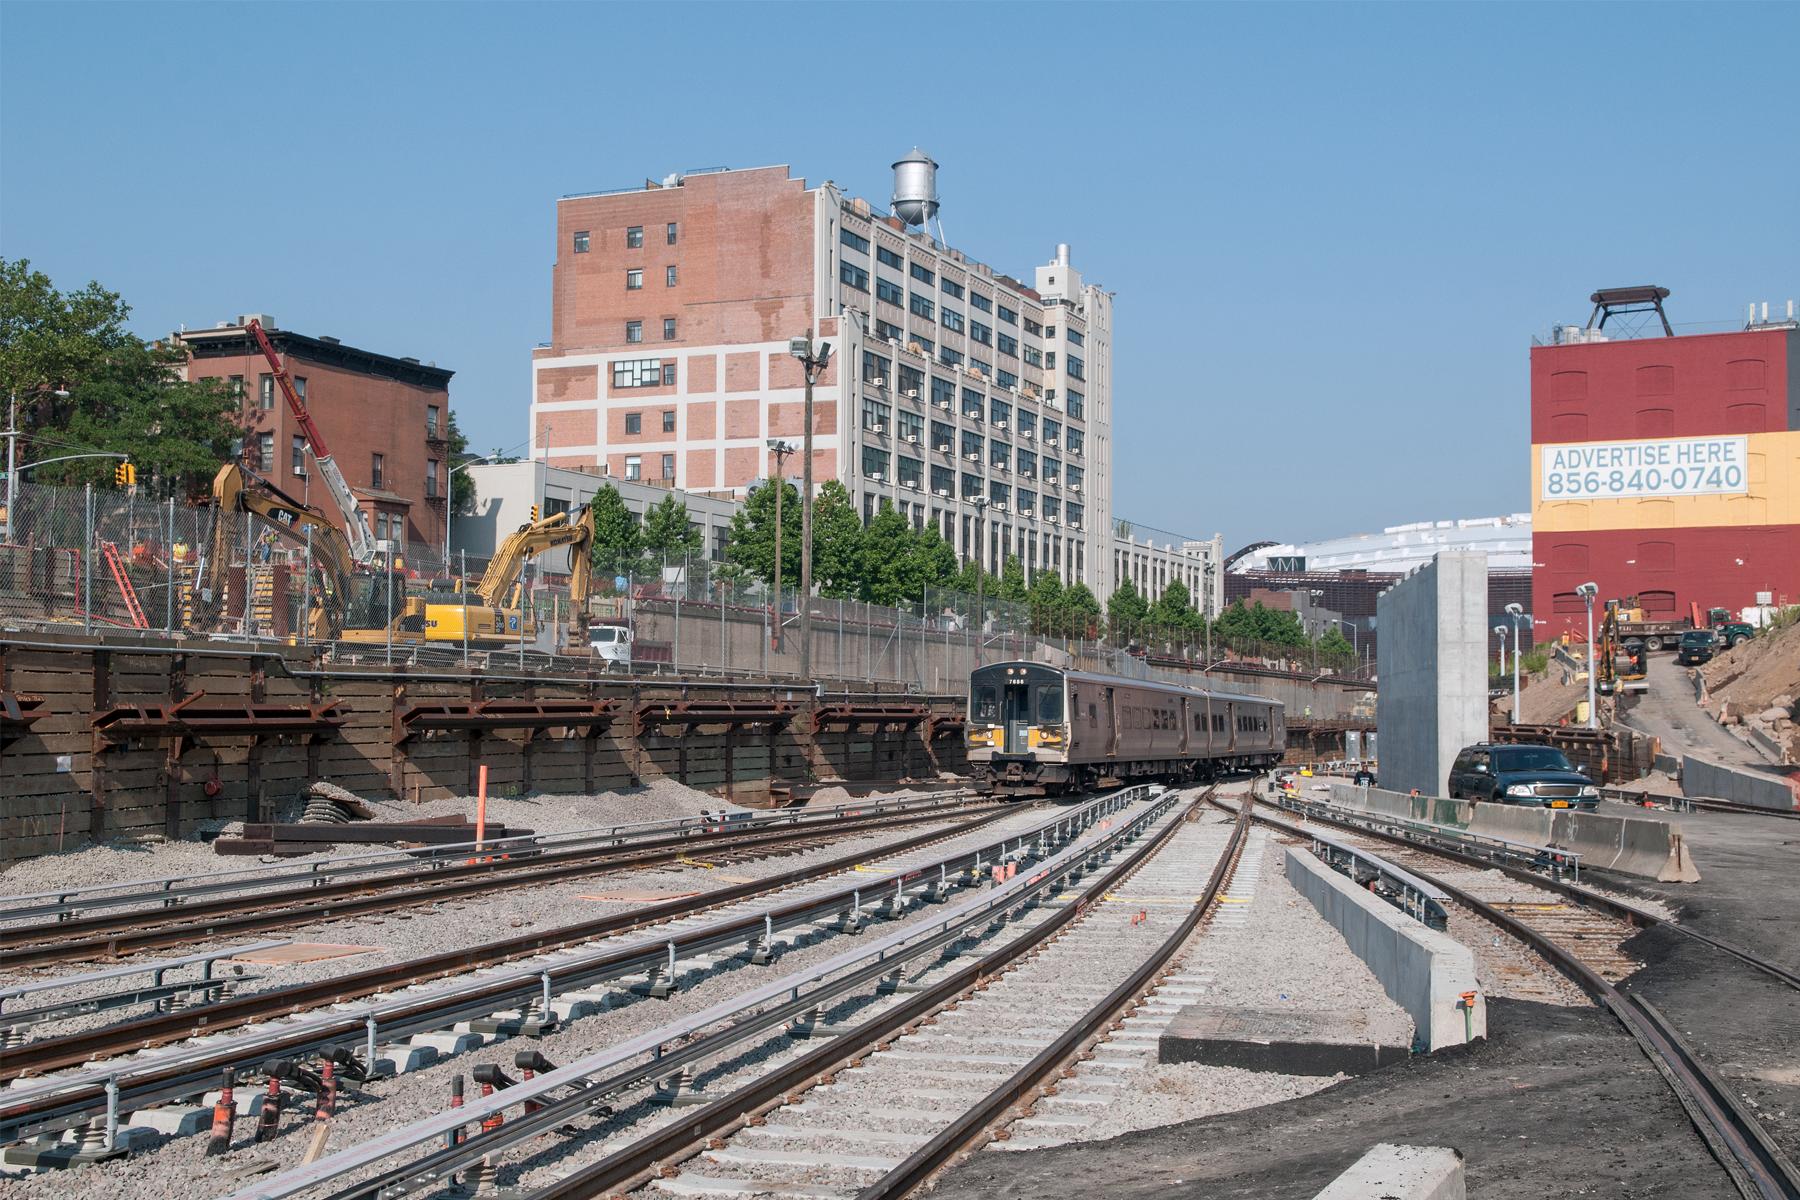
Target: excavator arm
237,490
528,542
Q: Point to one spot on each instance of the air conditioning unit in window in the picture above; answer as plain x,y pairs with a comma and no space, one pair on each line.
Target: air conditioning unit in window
973,457
912,393
1000,467
912,439
877,477
999,424
1049,520
877,427
944,492
1027,434
1074,487
1000,506
913,484
878,381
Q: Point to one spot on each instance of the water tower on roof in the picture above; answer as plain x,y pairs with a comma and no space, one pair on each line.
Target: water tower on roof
915,188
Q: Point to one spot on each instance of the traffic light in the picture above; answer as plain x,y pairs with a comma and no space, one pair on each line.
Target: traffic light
534,514
125,475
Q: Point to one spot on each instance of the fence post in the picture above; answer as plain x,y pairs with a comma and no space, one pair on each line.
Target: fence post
169,550
724,661
87,563
462,591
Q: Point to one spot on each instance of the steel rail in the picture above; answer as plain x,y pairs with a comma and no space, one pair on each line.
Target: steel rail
65,902
919,1166
31,1109
671,1142
1736,1138
674,1046
335,901
1585,896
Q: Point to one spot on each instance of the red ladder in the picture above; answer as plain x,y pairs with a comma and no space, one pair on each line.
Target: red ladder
116,565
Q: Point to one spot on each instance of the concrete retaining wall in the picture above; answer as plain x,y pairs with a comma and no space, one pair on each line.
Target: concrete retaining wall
1424,971
1392,1172
1433,669
1771,787
1640,846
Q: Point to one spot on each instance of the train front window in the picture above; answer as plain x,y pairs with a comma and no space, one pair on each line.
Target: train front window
1050,705
987,703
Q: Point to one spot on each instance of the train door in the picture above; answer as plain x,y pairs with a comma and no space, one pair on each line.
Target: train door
1112,723
1231,727
1185,713
1015,712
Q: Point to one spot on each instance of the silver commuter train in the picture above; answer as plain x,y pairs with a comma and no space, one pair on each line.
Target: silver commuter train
1037,730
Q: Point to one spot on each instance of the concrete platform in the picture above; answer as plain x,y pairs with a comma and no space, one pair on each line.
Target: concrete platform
1401,1173
1284,1042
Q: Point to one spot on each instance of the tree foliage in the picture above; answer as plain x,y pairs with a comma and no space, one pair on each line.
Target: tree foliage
462,484
837,544
750,546
667,535
617,542
1126,611
85,383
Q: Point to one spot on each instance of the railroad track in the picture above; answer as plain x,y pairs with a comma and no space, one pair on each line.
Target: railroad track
167,917
1057,980
1581,943
389,1004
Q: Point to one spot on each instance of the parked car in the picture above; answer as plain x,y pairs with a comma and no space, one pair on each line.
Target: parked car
1534,775
1696,647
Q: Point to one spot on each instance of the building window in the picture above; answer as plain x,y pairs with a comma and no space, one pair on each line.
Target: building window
265,396
1033,356
981,333
977,300
926,346
581,241
951,320
668,374
1072,514
377,470
999,495
853,240
875,416
951,288
949,357
971,486
637,372
634,237
668,420
912,426
670,276
884,255
634,280
1008,315
1074,336
668,329
237,387
1006,379
673,232
942,437
1008,345
912,380
1077,404
975,364
1027,464
1052,431
634,466
876,371
971,445
890,292
973,406
999,412
999,455
853,275
634,423
911,473
668,468
1050,360
943,481
431,420
300,387
1027,424
1027,505
634,331
922,273
888,329
874,463
921,307
1072,476
1077,368
943,392
297,456
431,479
1032,326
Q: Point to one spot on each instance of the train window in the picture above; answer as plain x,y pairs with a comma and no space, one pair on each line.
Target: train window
1093,714
987,703
1050,705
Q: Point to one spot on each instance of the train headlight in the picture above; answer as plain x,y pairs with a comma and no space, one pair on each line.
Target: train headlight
1052,736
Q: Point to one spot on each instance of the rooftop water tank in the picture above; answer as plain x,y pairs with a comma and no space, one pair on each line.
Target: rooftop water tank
915,188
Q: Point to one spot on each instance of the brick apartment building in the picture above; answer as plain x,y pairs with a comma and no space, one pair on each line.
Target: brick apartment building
386,421
968,399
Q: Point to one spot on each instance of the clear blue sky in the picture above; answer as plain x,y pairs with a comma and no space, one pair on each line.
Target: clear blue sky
1332,230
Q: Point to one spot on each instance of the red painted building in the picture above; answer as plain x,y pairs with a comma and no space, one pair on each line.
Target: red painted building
1666,468
386,421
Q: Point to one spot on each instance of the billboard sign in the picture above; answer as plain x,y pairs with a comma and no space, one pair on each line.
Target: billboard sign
1693,466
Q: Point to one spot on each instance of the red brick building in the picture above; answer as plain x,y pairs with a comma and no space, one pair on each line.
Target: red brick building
386,421
1666,468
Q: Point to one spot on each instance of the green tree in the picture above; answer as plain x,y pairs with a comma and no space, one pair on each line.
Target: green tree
1080,609
750,546
85,383
888,573
667,535
1336,645
1045,598
617,542
838,569
935,557
1126,610
1012,580
1173,611
462,484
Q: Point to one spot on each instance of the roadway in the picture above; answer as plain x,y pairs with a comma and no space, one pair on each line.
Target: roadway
1669,711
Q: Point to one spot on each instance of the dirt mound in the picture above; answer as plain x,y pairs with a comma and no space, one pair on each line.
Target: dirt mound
1757,684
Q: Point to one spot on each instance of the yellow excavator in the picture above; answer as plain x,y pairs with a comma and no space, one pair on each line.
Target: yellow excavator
500,619
238,490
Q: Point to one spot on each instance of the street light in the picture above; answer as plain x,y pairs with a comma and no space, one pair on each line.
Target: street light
1501,630
1587,592
780,450
813,365
450,501
1517,613
12,442
979,503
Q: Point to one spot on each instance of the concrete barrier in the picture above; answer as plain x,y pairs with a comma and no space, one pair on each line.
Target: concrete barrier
1643,846
1391,1172
1425,972
1771,787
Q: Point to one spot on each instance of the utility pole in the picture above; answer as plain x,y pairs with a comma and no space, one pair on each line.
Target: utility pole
781,450
12,441
812,366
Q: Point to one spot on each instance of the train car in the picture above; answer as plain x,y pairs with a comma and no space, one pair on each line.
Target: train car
1038,730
